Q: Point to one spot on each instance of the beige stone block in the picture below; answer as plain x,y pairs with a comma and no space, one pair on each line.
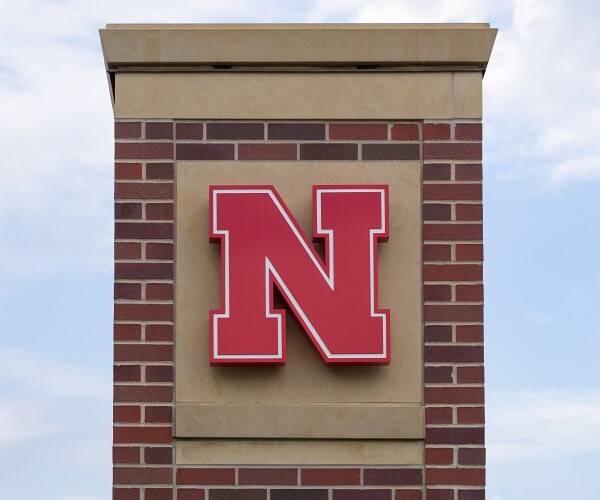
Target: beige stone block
287,96
294,421
290,452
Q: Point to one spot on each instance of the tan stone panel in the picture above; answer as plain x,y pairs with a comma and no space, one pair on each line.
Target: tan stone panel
287,96
313,452
321,44
292,421
305,378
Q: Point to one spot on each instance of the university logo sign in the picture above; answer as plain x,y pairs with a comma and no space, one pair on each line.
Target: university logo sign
334,299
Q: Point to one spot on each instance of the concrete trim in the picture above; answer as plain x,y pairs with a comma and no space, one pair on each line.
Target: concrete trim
300,421
298,451
284,96
322,44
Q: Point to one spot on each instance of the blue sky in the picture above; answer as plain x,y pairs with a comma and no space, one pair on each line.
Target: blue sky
542,184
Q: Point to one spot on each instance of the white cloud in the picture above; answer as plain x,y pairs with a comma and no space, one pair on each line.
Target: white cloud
542,424
48,377
19,423
578,169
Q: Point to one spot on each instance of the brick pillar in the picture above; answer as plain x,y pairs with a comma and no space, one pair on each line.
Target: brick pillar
449,153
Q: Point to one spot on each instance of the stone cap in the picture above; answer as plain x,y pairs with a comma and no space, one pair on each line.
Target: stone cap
203,47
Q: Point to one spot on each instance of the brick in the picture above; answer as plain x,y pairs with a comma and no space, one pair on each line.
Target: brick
296,131
128,171
128,211
159,291
444,232
190,494
158,494
159,251
330,477
158,414
471,456
452,151
438,333
436,293
143,352
143,393
438,375
408,495
158,455
144,230
471,415
328,151
469,333
468,172
439,456
453,312
127,373
189,130
131,291
454,395
143,150
468,131
471,494
437,211
159,130
454,435
144,312
128,251
452,272
472,211
159,373
127,414
273,151
126,494
437,172
359,131
205,476
268,476
287,494
128,130
143,191
469,293
362,494
453,354
212,151
143,270
159,211
395,477
142,434
433,494
391,152
436,131
432,252
451,192
158,333
126,454
456,476
469,252
235,131
405,132
470,375
438,415
159,171
124,332
142,475
239,494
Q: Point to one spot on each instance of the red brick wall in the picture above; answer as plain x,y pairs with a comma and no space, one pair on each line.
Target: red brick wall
453,308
